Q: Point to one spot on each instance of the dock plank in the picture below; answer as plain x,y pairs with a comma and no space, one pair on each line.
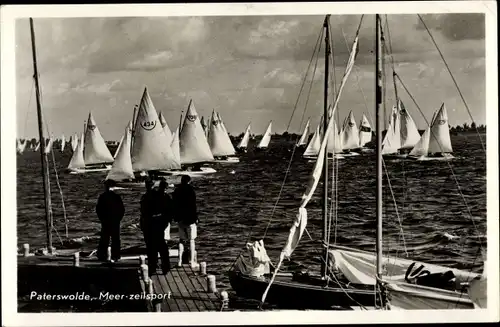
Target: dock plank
199,295
168,305
176,294
185,293
199,283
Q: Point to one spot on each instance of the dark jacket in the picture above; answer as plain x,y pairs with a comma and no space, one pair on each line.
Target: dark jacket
110,207
184,199
155,210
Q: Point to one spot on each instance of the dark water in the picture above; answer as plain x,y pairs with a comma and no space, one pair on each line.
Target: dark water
235,208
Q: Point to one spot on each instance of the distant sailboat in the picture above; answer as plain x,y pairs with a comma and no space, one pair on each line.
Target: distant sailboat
314,145
350,136
220,144
435,143
21,145
409,135
165,127
193,147
242,146
365,133
74,142
48,147
402,134
63,143
96,155
305,134
266,138
37,146
122,166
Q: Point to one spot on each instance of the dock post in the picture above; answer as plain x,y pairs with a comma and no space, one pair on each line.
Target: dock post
142,260
109,253
225,299
181,251
167,232
145,275
203,268
211,284
26,248
192,252
76,259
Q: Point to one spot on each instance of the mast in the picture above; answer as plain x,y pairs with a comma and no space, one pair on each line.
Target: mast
325,164
43,156
379,122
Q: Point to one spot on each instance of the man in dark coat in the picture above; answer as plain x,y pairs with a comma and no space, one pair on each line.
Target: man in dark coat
110,211
155,217
186,214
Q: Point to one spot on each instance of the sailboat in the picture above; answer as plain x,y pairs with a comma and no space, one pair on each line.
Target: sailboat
194,150
166,129
74,142
365,133
312,149
48,146
21,145
219,141
266,138
402,134
435,143
334,146
242,146
37,146
93,149
63,143
348,277
350,136
305,135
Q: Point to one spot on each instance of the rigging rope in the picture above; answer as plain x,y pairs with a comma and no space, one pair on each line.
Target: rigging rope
453,78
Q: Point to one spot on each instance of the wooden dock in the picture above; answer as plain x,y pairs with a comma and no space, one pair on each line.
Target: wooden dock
123,286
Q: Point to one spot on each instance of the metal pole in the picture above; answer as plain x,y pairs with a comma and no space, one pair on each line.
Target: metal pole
325,165
43,156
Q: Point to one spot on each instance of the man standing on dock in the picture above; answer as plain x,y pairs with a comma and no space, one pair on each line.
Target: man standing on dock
186,214
110,211
155,217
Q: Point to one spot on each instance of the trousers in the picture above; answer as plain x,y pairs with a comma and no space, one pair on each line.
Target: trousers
109,231
155,243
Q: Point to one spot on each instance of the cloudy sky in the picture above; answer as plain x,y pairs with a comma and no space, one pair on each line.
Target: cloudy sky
249,68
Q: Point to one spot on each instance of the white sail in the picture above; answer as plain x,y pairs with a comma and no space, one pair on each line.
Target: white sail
77,160
21,145
218,139
74,142
350,135
151,149
305,134
175,145
122,166
207,128
334,140
166,129
439,141
37,146
203,124
119,146
193,143
63,143
365,131
245,138
314,145
409,135
392,141
266,138
95,149
48,147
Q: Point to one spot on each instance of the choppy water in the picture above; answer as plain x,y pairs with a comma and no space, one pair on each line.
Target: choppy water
238,207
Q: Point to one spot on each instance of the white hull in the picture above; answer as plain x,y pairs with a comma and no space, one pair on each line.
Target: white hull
228,160
425,158
204,171
88,170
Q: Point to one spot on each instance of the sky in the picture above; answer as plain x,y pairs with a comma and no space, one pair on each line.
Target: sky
249,68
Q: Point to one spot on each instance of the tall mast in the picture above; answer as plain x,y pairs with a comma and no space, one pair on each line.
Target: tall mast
325,164
43,156
379,122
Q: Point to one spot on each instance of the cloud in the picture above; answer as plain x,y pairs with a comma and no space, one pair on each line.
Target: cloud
456,27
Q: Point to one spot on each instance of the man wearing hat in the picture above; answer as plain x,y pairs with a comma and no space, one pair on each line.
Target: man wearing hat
110,211
155,217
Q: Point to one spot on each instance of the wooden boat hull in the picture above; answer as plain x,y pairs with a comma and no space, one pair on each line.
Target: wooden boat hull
202,172
289,294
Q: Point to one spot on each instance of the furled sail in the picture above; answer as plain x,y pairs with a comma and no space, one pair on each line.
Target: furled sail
151,149
246,137
193,143
305,134
365,131
266,138
95,150
122,166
